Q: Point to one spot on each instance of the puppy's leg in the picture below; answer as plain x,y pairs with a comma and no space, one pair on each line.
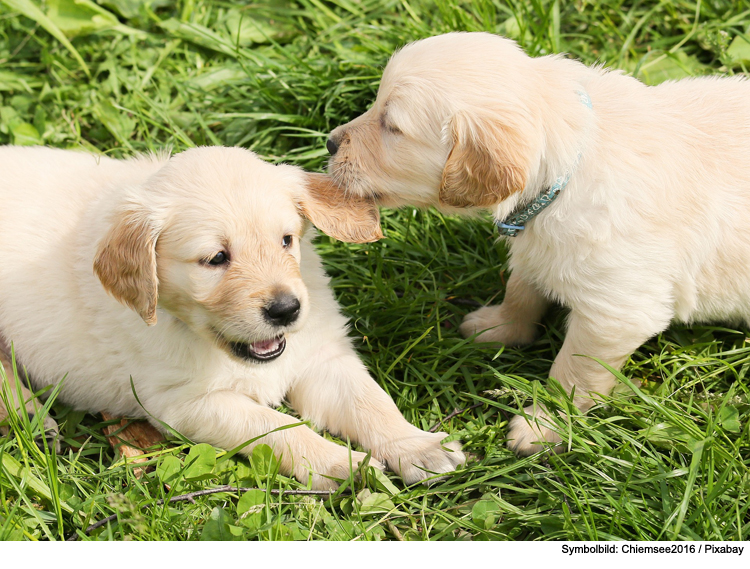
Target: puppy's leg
610,340
514,322
337,393
31,403
227,419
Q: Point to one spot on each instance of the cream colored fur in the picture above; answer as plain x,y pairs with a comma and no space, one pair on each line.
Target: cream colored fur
153,222
652,228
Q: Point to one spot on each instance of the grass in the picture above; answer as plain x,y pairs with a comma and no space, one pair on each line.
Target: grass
667,460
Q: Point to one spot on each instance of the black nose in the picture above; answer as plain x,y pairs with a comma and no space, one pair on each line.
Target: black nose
283,310
332,147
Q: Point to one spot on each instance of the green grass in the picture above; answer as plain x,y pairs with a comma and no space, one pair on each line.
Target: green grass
668,460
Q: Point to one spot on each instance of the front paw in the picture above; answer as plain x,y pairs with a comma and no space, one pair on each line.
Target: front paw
497,327
419,456
531,434
335,467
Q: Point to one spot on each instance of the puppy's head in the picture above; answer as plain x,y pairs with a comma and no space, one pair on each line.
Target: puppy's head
458,122
214,239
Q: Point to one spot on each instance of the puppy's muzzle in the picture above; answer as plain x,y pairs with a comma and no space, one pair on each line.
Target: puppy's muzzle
283,310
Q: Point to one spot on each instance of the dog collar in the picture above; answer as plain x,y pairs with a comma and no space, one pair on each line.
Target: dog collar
516,221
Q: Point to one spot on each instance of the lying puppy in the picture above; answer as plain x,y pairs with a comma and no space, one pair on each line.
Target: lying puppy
210,249
626,203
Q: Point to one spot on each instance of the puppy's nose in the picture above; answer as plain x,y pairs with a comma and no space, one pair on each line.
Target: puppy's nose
332,147
283,310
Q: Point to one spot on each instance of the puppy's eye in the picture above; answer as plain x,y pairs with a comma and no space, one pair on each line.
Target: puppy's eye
287,241
219,259
389,126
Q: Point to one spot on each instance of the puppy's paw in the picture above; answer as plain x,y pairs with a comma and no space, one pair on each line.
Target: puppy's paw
337,467
496,327
531,434
422,455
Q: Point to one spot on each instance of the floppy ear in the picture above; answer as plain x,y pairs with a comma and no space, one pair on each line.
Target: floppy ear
343,216
488,162
125,263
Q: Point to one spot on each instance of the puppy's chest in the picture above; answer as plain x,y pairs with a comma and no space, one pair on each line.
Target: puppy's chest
556,270
265,383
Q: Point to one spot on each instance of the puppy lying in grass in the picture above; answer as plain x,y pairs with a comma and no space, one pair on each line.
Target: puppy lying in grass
195,276
626,203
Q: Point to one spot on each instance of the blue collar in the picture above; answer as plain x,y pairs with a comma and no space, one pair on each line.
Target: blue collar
515,222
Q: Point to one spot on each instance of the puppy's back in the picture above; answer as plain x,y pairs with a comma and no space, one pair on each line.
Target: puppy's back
51,216
44,186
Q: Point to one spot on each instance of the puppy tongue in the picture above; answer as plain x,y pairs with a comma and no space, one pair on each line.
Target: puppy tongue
265,346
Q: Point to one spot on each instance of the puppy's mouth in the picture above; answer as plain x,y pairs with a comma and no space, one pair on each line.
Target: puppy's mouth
261,351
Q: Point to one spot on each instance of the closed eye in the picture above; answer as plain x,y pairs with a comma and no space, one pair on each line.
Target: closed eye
388,126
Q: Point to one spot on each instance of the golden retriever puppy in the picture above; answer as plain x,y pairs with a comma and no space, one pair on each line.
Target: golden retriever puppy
194,276
626,203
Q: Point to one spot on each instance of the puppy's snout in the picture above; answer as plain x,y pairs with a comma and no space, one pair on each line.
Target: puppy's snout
335,139
332,147
283,310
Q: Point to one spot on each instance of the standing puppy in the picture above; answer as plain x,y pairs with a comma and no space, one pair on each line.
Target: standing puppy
195,277
626,203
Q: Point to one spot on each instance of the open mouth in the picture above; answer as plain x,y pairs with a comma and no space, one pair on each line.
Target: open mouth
262,351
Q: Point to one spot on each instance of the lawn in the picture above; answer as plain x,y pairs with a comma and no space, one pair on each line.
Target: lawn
667,460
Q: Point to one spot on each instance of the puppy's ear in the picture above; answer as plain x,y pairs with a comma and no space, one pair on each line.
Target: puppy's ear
343,216
488,162
125,263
